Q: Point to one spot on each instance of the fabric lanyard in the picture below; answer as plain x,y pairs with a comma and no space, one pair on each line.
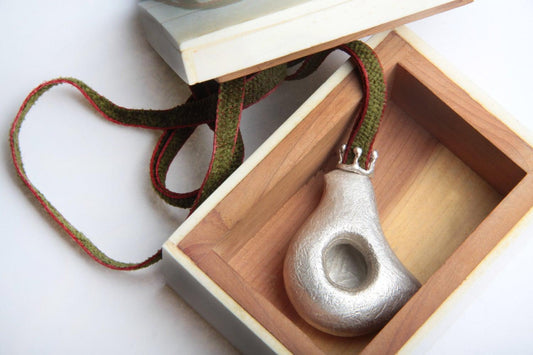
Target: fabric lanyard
219,106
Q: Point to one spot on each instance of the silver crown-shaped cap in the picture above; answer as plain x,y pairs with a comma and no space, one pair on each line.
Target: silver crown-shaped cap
355,167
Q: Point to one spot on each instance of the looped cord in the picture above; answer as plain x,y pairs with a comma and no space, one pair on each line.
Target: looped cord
219,106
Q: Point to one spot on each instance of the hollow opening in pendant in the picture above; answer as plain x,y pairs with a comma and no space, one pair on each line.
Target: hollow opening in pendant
345,266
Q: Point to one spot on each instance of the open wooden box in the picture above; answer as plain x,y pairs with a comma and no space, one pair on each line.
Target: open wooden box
452,180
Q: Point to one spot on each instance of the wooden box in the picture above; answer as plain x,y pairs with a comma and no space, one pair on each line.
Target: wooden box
452,180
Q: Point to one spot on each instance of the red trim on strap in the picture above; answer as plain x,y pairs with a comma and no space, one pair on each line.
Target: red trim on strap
366,84
26,181
241,106
154,175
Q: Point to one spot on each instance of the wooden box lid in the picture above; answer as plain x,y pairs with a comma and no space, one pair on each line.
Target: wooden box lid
246,36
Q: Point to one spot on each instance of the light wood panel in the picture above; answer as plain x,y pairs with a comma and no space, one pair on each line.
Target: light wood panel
444,204
247,36
379,27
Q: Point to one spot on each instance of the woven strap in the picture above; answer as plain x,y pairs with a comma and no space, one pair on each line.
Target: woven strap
217,105
367,122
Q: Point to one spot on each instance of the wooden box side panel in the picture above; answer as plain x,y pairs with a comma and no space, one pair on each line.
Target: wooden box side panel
209,305
495,164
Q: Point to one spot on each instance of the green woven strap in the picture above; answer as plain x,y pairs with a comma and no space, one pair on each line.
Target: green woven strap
228,151
256,87
367,123
217,105
76,235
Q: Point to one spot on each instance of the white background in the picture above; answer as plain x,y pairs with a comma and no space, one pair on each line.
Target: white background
55,300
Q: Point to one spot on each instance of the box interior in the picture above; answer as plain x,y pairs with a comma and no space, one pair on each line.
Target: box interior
436,180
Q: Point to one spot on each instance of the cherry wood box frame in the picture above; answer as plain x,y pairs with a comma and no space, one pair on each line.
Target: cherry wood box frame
451,182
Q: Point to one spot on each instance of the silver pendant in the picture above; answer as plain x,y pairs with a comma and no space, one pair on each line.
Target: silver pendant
340,273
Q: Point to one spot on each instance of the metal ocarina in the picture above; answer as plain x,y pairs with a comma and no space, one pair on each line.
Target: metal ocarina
340,273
